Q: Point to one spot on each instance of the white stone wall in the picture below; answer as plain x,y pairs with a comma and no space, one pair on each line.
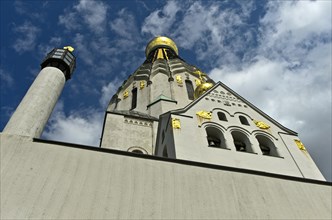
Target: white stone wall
190,141
160,85
161,72
48,181
124,132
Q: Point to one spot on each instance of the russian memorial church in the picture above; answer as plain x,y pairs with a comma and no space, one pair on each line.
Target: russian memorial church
174,145
170,108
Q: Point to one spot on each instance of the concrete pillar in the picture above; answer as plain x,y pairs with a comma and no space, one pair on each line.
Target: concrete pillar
32,114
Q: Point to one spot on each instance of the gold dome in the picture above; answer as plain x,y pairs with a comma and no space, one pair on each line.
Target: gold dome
202,88
161,42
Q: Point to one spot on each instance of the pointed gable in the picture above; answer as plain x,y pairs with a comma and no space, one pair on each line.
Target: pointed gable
222,97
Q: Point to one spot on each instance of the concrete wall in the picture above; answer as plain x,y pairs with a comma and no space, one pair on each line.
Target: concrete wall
123,132
48,181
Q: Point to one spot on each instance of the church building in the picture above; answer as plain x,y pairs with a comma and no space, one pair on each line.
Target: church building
172,109
175,144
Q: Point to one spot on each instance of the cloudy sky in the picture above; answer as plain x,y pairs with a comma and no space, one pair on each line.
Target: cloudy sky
276,54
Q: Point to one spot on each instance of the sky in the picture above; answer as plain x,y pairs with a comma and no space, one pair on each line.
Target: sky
276,54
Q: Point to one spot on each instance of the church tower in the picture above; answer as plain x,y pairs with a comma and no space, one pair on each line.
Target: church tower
170,108
162,83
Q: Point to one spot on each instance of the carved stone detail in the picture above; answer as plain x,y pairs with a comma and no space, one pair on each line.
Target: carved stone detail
137,122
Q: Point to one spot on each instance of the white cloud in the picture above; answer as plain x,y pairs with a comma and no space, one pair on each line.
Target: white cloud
291,29
215,34
27,39
54,42
108,91
6,79
160,21
77,127
289,75
70,20
82,49
93,13
301,19
20,7
125,25
25,9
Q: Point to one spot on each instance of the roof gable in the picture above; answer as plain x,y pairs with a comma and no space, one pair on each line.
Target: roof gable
222,94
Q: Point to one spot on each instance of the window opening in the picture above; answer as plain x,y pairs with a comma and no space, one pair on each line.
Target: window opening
215,138
267,146
134,99
241,142
213,142
240,146
137,151
265,149
190,89
243,120
222,116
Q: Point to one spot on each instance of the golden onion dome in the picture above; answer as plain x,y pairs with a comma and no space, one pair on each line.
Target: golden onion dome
202,88
161,42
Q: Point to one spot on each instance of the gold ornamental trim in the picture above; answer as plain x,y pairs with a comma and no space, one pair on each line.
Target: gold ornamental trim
202,88
198,82
176,124
141,85
179,80
261,124
300,145
125,94
204,114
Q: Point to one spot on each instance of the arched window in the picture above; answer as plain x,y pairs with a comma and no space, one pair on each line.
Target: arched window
241,142
215,137
222,116
190,89
267,146
137,151
134,99
243,120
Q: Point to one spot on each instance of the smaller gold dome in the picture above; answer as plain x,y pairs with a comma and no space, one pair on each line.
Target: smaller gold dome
161,42
202,88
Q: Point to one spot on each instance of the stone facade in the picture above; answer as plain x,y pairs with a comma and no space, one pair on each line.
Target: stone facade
159,90
191,140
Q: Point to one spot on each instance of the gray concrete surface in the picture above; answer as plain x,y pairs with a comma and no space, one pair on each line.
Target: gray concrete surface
48,181
33,112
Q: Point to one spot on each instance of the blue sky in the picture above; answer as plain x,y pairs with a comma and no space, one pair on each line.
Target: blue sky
276,54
